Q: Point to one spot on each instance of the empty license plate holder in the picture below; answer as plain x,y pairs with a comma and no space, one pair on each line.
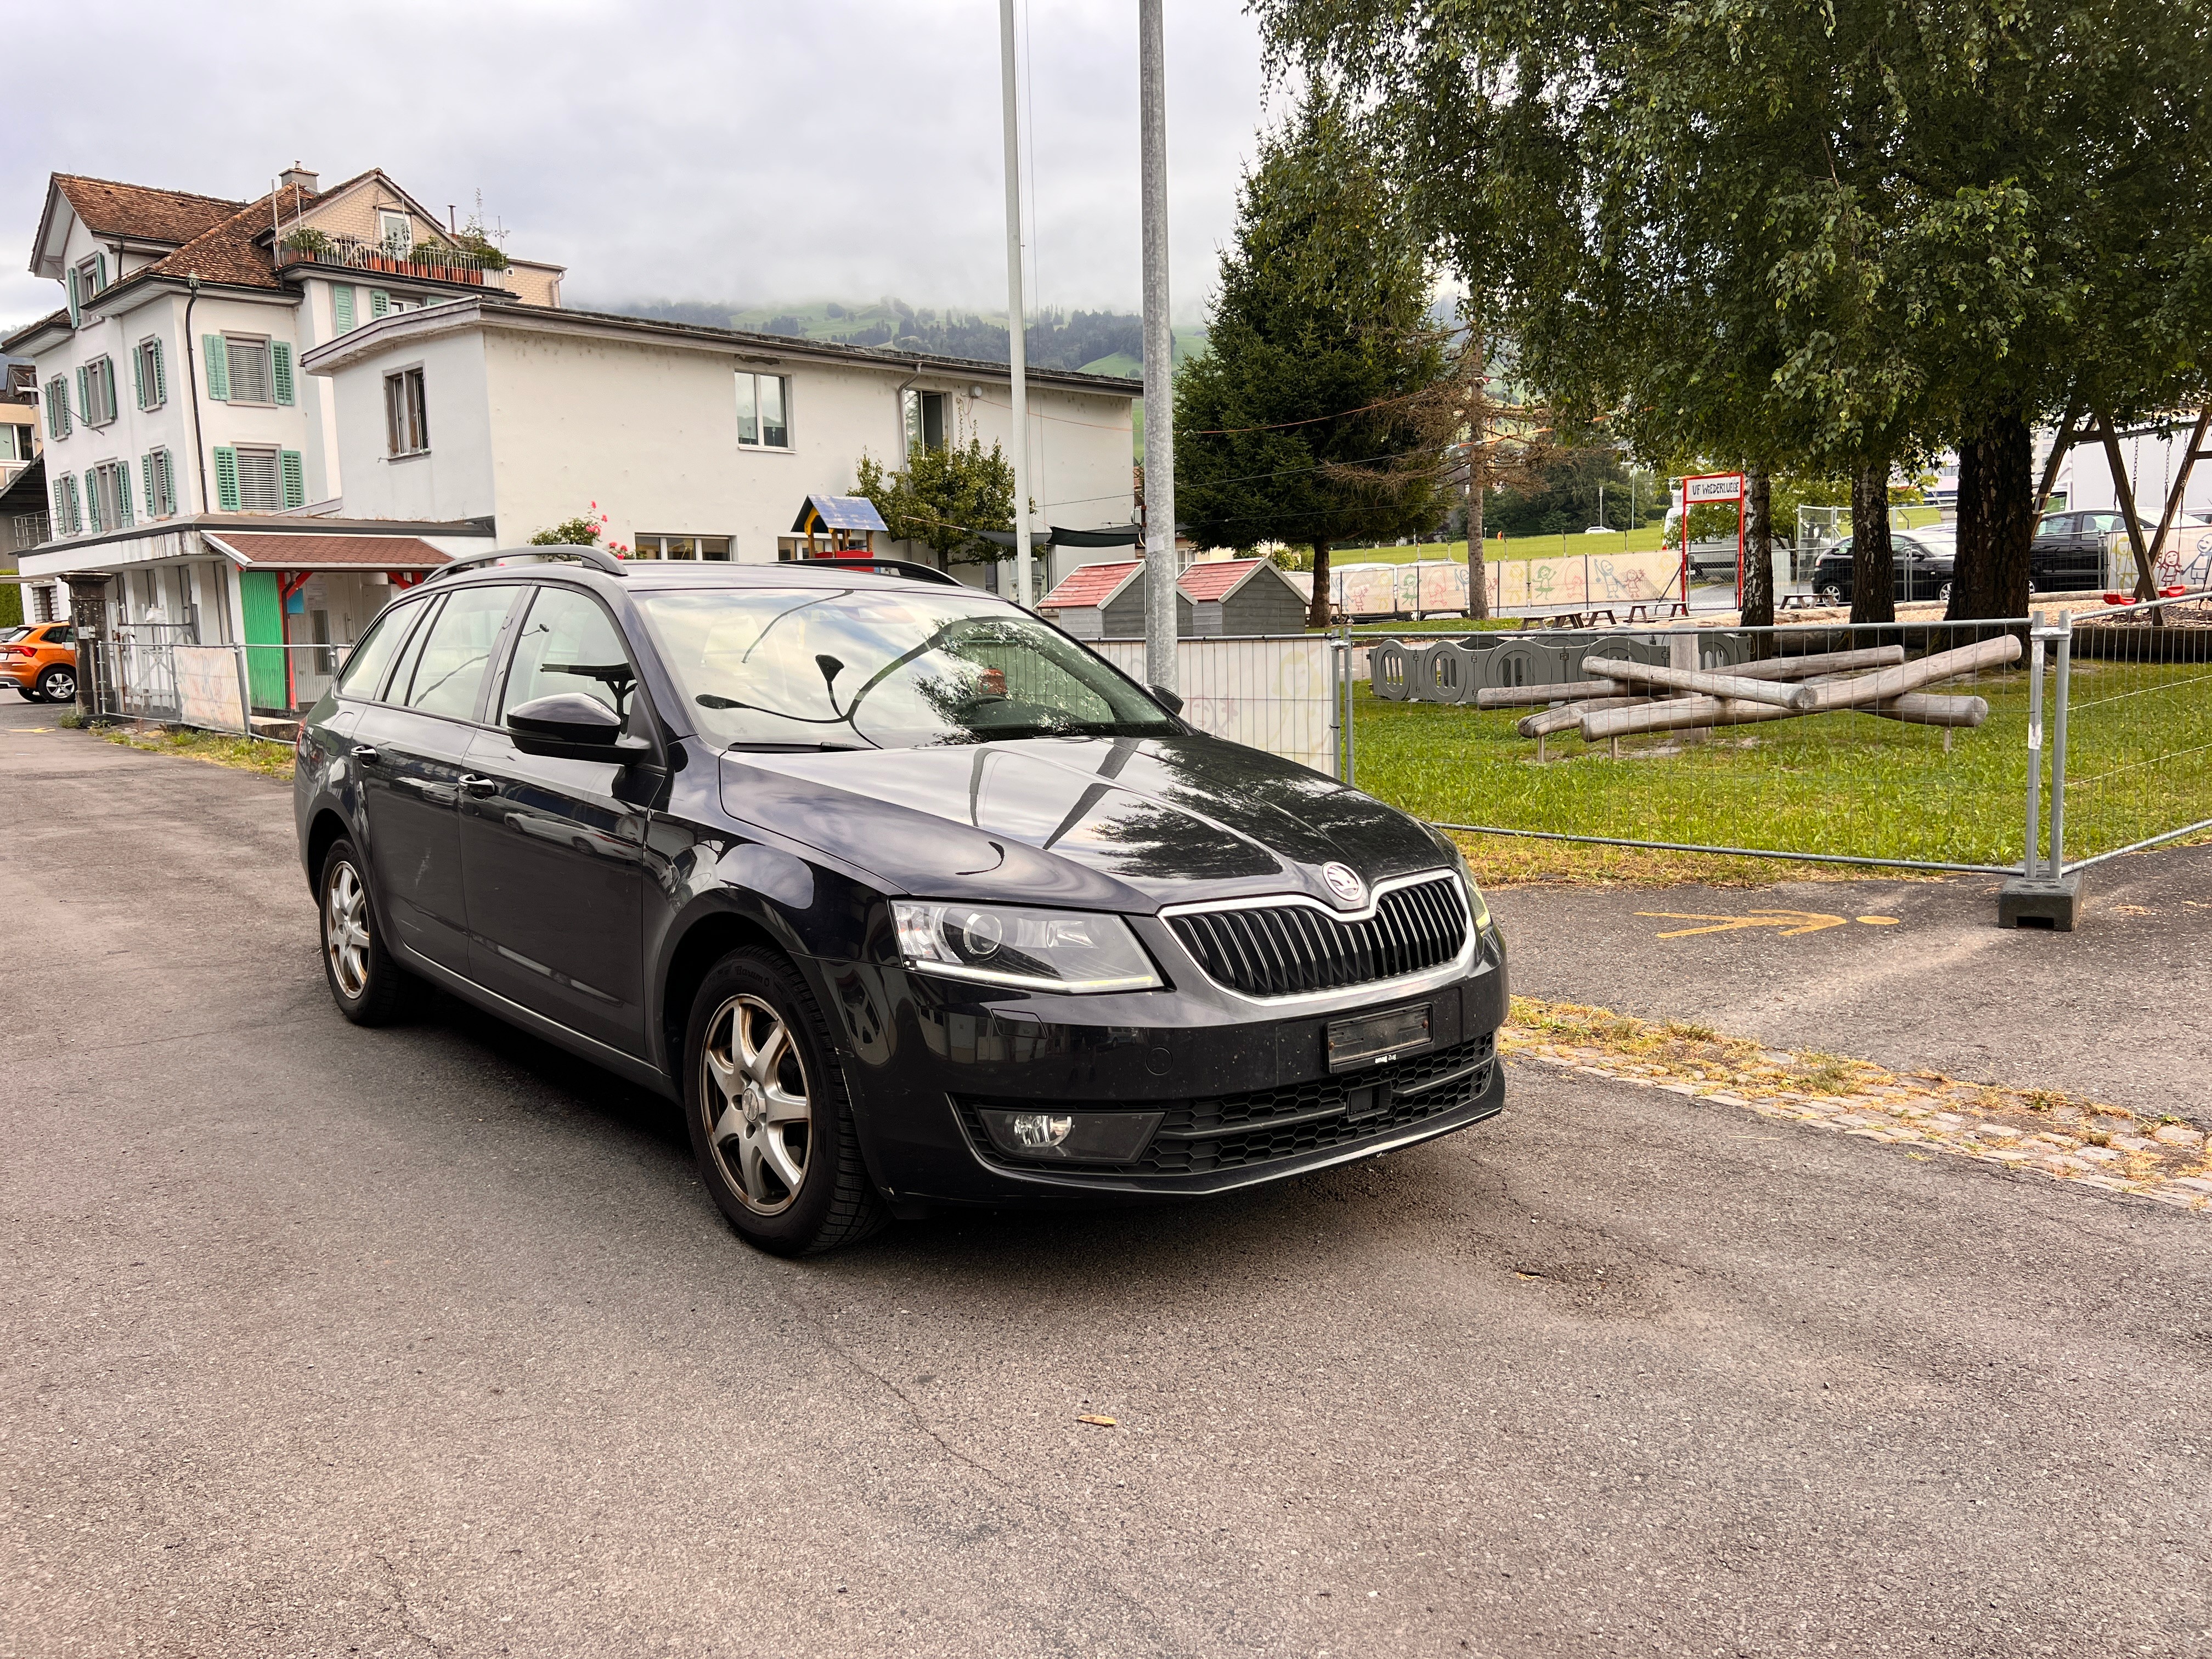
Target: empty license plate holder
1373,1039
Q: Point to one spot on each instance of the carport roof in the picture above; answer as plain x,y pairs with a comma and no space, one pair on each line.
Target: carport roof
267,552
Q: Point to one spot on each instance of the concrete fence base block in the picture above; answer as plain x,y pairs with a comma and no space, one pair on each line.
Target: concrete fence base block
2040,901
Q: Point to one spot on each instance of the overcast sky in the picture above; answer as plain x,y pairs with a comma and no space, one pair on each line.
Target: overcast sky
753,153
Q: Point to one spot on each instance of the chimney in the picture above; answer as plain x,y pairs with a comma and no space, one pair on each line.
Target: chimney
297,175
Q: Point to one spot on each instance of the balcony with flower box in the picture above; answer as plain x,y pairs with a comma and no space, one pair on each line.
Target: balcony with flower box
463,262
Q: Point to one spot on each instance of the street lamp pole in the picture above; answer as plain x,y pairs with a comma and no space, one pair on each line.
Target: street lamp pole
1016,310
1160,572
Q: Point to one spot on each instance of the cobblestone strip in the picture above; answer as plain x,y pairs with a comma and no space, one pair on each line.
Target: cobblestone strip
2040,1131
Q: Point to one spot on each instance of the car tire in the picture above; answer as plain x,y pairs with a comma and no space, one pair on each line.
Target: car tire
1943,593
1832,594
369,986
58,684
771,1123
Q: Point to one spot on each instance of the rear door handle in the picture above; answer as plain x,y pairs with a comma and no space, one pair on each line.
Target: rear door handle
480,786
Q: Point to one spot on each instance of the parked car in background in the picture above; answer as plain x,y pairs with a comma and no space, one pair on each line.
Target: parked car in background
908,898
1713,561
39,661
1921,570
2068,554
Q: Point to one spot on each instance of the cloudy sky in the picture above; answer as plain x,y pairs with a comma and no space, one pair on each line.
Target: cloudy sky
750,152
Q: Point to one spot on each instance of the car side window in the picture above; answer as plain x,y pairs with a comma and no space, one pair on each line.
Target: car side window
2054,525
364,668
457,647
567,643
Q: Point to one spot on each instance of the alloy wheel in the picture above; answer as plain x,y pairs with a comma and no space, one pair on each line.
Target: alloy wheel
60,686
345,929
1831,595
760,1115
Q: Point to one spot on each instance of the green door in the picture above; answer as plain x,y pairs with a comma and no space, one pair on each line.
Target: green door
263,612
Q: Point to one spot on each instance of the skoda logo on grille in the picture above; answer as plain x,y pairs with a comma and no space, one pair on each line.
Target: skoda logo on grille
1343,881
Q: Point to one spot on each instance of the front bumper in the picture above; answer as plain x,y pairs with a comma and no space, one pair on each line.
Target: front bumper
1247,1095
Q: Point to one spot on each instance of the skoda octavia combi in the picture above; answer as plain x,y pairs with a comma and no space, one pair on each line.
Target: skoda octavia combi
910,900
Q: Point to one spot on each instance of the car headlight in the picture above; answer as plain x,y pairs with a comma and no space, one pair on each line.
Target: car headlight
1477,905
1033,950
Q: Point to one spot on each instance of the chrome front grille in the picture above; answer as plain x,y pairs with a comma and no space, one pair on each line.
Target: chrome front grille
1293,949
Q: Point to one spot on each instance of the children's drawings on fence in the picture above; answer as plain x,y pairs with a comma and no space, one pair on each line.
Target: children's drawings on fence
1439,587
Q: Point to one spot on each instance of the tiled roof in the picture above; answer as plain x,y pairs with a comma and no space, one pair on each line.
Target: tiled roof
280,552
1214,579
56,319
110,209
1088,585
226,253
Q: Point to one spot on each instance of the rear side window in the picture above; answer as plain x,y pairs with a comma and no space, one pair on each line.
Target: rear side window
569,644
364,668
456,651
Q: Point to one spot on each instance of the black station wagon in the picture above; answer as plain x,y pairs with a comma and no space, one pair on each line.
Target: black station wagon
911,899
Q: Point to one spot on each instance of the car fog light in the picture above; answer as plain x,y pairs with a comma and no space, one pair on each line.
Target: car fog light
1071,1137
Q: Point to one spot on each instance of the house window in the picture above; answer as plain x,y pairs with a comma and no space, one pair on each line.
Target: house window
65,506
15,443
161,482
91,275
43,608
151,375
57,408
715,550
406,417
764,410
396,231
107,495
925,421
260,487
96,384
30,529
246,365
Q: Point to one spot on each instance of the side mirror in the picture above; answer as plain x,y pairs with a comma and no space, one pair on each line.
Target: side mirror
1166,699
569,725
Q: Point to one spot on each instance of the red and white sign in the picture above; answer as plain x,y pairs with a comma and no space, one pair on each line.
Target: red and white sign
1711,487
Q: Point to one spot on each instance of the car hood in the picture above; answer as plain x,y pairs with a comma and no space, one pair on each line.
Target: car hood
1123,824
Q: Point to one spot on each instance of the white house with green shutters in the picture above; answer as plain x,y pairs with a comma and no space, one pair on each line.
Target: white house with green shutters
180,435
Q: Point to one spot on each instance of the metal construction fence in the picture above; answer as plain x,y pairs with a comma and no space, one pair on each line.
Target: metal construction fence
2130,730
1504,734
161,674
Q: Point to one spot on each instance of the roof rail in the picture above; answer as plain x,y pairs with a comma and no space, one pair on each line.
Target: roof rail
907,568
598,556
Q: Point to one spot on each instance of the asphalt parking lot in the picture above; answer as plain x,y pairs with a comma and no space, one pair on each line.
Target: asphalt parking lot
319,1340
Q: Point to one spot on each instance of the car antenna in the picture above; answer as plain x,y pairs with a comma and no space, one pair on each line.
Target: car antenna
830,668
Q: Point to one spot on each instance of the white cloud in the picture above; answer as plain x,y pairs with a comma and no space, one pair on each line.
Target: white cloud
839,148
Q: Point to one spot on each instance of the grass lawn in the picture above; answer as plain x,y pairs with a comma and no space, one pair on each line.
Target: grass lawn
1842,784
271,760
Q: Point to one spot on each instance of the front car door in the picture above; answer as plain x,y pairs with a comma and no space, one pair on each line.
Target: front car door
553,849
411,790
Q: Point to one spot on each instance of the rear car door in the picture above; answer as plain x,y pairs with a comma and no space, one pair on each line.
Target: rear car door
553,850
411,790
2048,554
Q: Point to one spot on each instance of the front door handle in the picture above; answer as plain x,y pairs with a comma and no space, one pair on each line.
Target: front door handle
366,754
480,786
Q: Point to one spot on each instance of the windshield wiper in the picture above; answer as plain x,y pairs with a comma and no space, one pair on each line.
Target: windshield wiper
770,747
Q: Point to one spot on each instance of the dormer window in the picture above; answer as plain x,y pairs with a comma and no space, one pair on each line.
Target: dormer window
396,231
91,275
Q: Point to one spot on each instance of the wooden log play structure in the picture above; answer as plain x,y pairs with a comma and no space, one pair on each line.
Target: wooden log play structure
1628,698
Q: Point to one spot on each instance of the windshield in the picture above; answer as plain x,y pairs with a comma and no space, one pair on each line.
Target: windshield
9,636
870,668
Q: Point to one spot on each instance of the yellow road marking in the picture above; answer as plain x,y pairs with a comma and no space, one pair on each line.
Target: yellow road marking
1876,921
1791,923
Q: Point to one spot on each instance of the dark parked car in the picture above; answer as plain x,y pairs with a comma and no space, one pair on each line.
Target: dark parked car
908,898
1920,569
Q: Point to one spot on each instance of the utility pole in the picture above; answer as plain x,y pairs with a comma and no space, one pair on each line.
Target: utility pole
1160,572
1016,310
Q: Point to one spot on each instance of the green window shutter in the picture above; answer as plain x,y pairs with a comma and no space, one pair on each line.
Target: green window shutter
84,393
122,496
100,265
379,303
226,478
342,306
152,496
138,373
92,503
169,480
295,478
76,301
280,371
218,366
76,512
161,375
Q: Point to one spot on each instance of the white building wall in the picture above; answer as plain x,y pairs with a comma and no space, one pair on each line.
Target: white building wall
2153,463
454,479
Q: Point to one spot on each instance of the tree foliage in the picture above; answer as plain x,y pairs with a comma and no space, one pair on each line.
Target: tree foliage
1291,428
1829,238
944,498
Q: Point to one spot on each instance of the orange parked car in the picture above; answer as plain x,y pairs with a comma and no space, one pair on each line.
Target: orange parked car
40,661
